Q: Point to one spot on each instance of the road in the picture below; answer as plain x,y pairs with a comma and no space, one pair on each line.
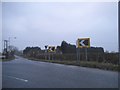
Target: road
23,73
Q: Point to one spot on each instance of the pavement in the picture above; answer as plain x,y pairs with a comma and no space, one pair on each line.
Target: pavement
24,73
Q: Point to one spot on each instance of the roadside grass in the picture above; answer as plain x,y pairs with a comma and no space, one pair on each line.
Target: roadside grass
104,66
90,64
5,60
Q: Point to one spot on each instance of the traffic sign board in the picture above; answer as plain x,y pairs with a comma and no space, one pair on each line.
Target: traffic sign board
51,48
83,42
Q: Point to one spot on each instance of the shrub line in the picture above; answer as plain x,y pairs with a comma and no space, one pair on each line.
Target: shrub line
90,64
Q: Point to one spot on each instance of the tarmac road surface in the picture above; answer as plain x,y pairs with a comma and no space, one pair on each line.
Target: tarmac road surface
23,73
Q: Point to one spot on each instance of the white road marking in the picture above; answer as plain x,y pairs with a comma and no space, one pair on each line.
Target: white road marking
18,78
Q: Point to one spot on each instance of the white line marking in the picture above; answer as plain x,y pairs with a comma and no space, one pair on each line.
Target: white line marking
19,78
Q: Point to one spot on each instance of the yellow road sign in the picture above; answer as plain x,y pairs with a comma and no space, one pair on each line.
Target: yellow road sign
51,48
83,42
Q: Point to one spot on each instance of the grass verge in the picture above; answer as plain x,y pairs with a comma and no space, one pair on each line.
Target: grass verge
90,64
9,59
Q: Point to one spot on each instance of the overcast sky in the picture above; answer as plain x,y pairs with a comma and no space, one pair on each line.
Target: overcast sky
40,24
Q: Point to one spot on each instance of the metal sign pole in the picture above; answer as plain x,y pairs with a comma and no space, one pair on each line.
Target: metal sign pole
52,56
79,55
49,56
45,54
86,54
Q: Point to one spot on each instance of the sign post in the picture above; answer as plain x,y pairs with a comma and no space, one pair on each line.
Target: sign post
78,55
82,43
51,49
86,54
46,52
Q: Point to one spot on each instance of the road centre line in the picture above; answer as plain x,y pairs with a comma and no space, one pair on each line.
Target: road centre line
21,79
